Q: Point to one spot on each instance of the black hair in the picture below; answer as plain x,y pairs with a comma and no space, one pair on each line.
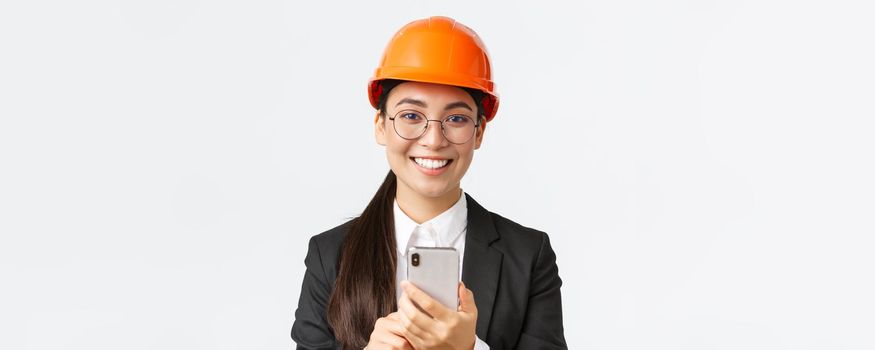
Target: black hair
389,84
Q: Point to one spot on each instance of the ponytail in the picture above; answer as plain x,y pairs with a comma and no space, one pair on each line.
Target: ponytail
365,286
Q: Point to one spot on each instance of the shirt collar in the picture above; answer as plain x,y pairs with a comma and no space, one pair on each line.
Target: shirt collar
449,224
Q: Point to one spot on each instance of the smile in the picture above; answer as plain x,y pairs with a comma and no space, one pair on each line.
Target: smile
431,166
431,163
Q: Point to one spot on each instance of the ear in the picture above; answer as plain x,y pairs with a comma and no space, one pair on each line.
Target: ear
380,129
479,138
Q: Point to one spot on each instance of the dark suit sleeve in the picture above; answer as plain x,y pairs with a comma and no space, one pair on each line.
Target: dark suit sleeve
310,329
542,328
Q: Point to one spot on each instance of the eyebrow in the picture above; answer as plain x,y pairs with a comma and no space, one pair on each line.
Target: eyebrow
457,104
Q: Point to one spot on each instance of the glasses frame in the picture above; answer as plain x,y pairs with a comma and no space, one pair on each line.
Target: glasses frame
427,121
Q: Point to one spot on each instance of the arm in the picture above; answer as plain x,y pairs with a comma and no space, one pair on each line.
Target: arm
311,329
542,328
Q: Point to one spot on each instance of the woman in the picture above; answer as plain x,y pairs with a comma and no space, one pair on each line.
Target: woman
434,95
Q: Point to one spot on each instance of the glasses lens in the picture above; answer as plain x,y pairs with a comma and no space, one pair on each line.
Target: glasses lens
458,128
409,124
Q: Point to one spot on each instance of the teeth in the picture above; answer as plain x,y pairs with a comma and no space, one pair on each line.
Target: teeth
431,163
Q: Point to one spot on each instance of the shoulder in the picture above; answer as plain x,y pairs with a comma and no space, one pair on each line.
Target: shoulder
520,240
328,242
323,250
515,230
508,236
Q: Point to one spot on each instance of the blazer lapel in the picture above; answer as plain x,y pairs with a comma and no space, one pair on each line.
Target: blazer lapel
482,264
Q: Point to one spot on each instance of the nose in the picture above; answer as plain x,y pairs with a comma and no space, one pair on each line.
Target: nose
434,136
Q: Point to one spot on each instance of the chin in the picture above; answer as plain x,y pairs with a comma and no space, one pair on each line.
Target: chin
432,191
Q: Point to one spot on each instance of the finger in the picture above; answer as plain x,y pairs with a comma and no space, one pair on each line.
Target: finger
409,325
389,331
466,300
391,324
415,335
413,314
395,341
427,303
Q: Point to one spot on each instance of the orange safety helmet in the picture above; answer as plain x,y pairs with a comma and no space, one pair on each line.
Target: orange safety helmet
437,50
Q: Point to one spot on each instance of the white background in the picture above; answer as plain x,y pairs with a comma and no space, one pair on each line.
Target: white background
704,168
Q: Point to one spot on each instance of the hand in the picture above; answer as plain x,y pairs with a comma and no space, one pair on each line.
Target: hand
388,334
429,325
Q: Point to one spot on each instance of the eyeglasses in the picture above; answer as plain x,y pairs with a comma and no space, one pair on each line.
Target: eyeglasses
411,125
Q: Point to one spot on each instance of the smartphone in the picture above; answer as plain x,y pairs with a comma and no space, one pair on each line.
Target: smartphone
436,272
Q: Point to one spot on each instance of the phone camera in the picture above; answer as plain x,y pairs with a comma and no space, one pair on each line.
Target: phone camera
414,259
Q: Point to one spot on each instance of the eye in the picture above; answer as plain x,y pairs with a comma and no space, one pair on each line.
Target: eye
458,120
410,116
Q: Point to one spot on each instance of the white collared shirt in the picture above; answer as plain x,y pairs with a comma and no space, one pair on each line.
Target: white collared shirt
448,229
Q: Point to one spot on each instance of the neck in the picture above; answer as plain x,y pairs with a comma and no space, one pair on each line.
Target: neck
421,208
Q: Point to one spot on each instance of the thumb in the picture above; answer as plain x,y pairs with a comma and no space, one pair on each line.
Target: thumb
466,300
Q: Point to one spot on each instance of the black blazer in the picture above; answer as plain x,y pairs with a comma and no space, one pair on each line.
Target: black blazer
510,268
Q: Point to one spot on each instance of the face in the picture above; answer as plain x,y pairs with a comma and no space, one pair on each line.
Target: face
416,162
